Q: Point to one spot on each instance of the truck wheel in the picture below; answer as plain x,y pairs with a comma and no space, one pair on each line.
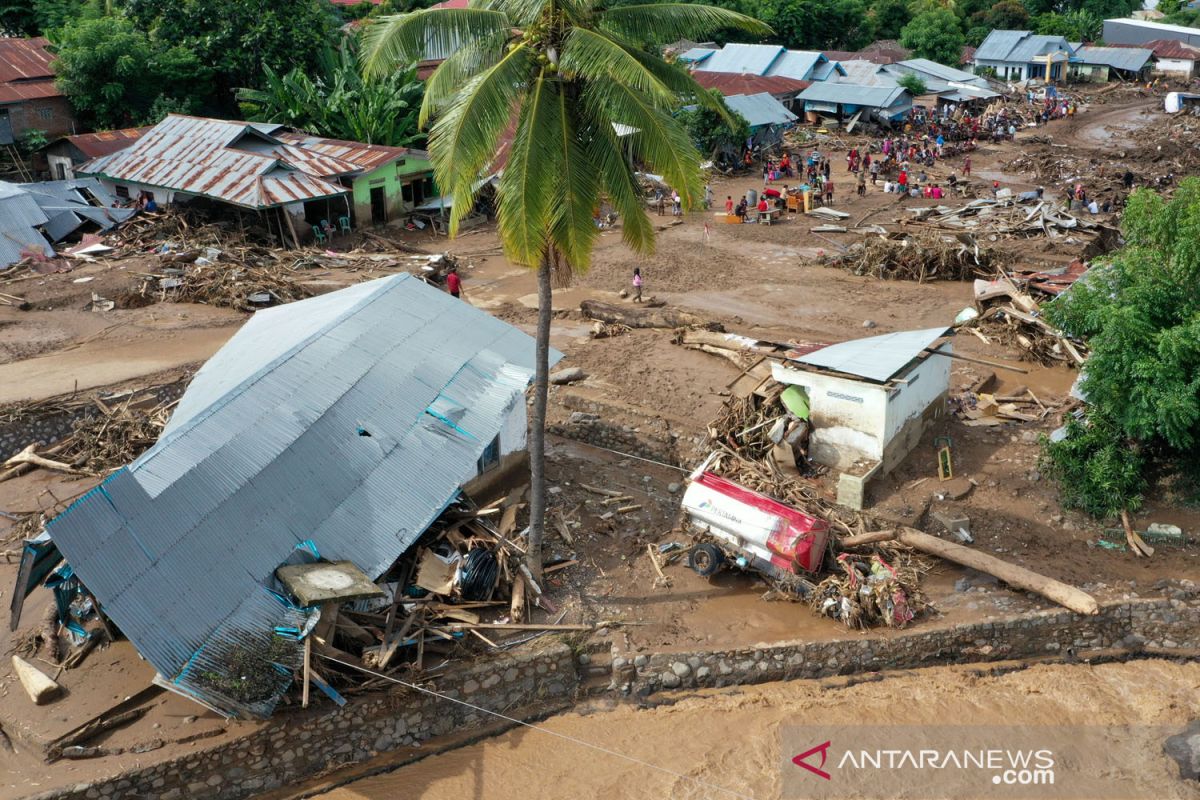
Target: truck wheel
705,559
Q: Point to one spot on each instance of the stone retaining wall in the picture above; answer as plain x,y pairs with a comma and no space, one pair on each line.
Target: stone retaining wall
618,428
1163,624
298,745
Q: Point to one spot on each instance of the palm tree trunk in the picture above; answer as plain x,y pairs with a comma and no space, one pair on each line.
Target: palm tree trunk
537,422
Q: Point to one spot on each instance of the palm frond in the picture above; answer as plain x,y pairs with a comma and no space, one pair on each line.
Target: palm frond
408,38
661,141
669,22
573,225
519,12
456,70
679,81
530,180
464,139
621,185
595,57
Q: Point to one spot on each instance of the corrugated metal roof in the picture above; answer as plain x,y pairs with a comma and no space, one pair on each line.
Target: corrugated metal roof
998,45
1167,48
1163,27
1037,45
729,84
68,205
21,91
20,217
860,72
853,94
760,109
751,59
102,143
366,156
269,448
1130,59
923,66
25,59
876,358
234,162
696,54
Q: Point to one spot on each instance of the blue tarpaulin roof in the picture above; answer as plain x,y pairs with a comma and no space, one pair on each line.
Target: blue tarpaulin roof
348,420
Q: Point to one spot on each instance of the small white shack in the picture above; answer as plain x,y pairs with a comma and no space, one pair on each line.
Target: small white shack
870,400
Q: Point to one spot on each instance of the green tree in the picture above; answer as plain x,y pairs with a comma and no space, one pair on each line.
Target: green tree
114,75
888,18
710,129
339,102
915,86
238,39
1076,26
559,75
816,24
934,35
1140,314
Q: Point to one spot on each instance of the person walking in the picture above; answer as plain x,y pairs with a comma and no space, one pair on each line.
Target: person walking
676,204
637,284
967,167
862,184
874,172
728,204
828,192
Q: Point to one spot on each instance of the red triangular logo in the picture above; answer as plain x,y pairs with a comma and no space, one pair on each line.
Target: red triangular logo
823,749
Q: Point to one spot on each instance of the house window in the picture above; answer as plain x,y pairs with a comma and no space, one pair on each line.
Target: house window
122,191
46,112
491,456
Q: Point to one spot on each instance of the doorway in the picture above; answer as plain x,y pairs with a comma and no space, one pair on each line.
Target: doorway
378,205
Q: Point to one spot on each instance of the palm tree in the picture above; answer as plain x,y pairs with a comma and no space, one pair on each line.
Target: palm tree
557,76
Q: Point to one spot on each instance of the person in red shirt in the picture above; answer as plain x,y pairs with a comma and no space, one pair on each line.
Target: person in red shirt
903,181
763,205
454,283
728,204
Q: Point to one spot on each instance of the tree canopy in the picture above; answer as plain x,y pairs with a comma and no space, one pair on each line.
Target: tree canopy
710,129
1140,314
934,34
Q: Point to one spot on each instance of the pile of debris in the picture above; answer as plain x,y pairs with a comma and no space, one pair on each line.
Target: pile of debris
872,590
922,257
1004,313
1007,217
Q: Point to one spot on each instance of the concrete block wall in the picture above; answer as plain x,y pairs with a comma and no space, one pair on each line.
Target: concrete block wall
294,746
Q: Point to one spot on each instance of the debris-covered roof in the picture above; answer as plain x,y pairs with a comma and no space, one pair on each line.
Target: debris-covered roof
876,358
760,109
1129,59
233,162
102,143
20,218
343,424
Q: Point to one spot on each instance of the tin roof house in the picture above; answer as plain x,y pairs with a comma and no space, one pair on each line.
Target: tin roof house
29,99
764,60
342,425
1023,55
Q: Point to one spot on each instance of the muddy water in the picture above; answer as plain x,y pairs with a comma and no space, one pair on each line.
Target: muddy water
731,739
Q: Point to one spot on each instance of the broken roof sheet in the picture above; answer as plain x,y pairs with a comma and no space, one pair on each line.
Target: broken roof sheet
233,162
68,206
20,218
344,423
366,156
876,358
853,94
760,109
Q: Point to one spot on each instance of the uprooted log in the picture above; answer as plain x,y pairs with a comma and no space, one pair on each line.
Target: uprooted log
632,317
1067,596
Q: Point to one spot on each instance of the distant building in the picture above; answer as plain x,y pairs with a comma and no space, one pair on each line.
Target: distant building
1172,58
1022,55
785,90
65,154
29,100
767,117
1139,31
763,60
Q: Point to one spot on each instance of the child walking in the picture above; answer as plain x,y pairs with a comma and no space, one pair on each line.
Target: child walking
637,284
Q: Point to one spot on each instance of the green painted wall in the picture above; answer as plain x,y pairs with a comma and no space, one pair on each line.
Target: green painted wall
415,171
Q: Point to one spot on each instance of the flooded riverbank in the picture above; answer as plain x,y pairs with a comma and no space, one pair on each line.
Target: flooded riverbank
728,743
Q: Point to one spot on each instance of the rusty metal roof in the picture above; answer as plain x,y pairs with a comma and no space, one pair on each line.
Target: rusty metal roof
366,156
21,91
233,162
728,83
24,59
102,143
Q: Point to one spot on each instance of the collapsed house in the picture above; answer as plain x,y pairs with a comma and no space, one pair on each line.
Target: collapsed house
34,216
338,428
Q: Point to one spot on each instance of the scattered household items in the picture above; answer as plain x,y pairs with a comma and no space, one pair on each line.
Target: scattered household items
337,428
871,592
1008,315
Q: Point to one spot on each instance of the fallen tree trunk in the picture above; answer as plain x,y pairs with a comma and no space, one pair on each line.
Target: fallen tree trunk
859,539
633,317
1077,600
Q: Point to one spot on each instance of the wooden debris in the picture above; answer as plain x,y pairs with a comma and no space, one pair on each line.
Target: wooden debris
40,688
634,317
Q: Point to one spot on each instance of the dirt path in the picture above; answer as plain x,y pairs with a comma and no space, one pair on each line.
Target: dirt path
1110,127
